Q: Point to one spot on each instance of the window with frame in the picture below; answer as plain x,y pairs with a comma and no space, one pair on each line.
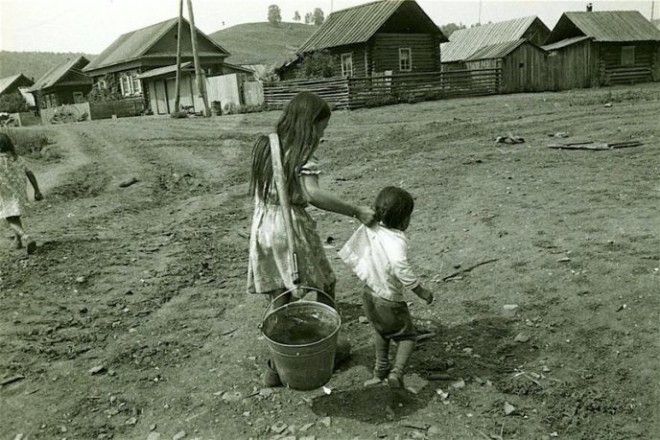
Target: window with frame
628,55
405,59
129,84
347,64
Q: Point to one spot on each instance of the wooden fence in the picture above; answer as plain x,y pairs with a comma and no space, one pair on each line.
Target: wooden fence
377,90
121,108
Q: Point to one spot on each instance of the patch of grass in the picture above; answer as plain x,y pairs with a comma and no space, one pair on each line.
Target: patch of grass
31,142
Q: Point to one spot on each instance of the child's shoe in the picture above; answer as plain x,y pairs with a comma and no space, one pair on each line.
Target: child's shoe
395,379
31,245
378,379
271,378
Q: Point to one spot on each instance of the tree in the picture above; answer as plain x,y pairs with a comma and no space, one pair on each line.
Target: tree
309,18
296,16
450,28
318,16
274,15
318,65
13,103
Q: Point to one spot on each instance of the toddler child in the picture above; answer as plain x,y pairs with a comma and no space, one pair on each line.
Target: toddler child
13,191
378,256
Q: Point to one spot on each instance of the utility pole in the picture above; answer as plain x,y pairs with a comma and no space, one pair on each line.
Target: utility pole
480,2
201,89
177,100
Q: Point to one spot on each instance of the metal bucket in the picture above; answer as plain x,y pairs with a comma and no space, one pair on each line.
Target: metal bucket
302,338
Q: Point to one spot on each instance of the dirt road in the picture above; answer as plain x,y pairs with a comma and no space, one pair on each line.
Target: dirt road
144,285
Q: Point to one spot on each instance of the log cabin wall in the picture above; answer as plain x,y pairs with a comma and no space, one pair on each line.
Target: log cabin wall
626,63
384,52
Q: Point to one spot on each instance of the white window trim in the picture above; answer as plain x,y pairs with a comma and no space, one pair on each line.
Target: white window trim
633,55
410,60
349,56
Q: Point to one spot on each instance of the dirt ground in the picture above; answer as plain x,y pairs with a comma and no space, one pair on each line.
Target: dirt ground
145,285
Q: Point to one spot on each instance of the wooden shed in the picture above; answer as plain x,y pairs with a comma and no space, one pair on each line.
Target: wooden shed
522,65
588,49
16,85
63,84
464,43
384,36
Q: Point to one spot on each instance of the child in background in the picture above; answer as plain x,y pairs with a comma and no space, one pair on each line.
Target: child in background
378,256
13,191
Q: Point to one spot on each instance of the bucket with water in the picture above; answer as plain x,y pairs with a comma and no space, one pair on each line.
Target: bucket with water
302,338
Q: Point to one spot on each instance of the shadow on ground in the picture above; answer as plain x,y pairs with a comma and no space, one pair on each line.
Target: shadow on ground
478,349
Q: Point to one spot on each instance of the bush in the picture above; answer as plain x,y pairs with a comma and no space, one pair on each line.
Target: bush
13,103
318,65
29,141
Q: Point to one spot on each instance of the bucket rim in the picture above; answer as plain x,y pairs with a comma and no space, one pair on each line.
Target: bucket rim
303,302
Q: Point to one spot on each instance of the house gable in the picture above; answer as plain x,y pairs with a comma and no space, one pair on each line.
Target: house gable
166,44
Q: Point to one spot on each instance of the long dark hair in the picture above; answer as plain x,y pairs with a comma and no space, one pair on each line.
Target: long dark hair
298,139
7,146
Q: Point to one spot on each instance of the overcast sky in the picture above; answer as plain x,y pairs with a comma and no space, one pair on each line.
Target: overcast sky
90,25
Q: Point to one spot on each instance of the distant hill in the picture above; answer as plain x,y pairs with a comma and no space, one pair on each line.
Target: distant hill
656,22
262,43
32,64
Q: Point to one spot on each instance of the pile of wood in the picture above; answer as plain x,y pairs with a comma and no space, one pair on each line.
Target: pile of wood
590,145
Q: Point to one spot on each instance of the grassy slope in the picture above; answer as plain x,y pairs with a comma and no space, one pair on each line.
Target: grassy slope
262,43
32,64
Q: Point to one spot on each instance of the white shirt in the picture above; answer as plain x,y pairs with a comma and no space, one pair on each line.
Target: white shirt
378,256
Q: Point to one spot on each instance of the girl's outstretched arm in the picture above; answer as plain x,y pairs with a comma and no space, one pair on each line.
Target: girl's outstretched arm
327,201
33,180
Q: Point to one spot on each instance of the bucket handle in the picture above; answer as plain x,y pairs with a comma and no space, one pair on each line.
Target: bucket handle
308,290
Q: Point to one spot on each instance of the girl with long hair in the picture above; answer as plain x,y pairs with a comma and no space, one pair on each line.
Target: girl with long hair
300,130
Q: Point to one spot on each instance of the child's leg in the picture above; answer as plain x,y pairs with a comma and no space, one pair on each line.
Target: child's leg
17,226
403,352
382,367
382,364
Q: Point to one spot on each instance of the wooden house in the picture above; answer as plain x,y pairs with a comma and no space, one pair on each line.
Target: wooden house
63,84
13,84
119,66
589,49
522,65
464,43
384,36
160,85
16,85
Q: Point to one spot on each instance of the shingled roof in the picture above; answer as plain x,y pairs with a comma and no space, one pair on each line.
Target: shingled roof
464,43
132,45
54,75
359,23
605,26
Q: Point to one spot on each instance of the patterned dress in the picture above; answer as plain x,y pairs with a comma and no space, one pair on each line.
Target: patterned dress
13,186
268,267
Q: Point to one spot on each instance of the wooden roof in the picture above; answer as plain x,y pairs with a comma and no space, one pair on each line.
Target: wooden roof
71,66
132,45
498,50
565,42
465,42
7,82
359,23
605,26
